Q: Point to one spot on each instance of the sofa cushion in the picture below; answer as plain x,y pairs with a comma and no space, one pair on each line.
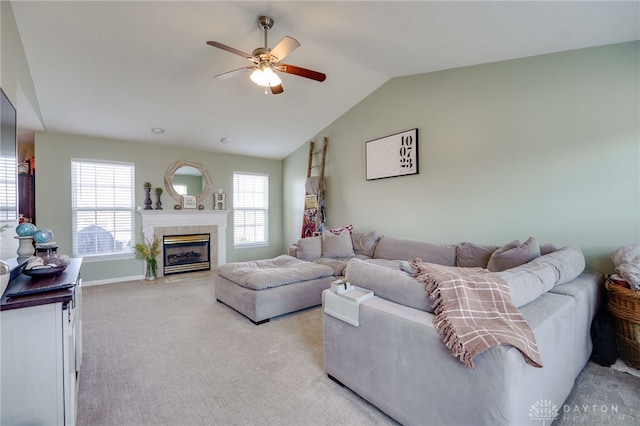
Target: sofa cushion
513,254
389,283
469,255
567,263
547,248
387,263
337,246
364,243
337,264
309,248
407,249
528,281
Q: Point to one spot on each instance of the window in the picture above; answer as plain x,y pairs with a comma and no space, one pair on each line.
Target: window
250,209
8,189
103,207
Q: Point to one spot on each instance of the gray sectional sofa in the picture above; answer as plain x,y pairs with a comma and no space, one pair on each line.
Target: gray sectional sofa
396,359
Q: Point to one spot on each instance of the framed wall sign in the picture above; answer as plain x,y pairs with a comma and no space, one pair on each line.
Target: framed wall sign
391,156
189,202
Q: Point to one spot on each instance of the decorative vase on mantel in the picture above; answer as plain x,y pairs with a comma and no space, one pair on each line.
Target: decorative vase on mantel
147,199
159,202
151,270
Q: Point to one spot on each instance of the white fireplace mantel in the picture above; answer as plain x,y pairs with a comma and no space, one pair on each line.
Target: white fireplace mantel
155,218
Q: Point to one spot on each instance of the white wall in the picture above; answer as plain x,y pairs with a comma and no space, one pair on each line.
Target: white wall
547,146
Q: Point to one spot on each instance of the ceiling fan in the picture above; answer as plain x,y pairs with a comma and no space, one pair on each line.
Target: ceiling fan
266,61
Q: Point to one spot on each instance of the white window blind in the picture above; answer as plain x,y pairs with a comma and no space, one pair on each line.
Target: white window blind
8,189
250,209
103,207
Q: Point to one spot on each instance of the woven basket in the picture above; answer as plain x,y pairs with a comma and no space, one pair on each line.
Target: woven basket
624,304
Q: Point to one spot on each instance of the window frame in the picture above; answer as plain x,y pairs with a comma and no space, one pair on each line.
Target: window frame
237,199
127,249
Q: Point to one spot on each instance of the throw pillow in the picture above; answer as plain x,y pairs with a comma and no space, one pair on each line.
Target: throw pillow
513,254
364,243
338,231
469,255
336,246
547,248
309,248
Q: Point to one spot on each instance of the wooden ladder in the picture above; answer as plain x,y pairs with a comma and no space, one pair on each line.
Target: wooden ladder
314,216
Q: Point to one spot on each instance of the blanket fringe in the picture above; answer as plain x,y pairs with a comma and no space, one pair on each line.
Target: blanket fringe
443,325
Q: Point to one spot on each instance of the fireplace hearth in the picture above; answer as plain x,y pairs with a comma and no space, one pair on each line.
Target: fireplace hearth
186,253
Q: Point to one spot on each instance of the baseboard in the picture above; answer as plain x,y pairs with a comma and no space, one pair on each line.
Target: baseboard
112,280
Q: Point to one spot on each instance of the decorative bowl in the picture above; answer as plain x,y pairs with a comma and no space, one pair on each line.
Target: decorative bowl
42,236
44,272
25,229
5,274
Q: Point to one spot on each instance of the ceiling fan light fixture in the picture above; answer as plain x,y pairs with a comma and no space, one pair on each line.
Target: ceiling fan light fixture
265,77
266,61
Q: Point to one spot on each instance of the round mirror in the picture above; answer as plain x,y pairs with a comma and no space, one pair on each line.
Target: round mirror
187,178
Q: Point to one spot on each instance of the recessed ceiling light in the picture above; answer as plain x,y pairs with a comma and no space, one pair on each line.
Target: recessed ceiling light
157,130
225,140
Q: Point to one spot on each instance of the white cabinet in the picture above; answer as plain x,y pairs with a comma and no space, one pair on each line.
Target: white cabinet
40,355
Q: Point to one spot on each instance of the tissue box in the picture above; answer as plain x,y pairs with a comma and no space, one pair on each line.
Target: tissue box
340,286
345,305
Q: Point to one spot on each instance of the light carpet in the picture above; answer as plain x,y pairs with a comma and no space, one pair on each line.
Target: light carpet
166,353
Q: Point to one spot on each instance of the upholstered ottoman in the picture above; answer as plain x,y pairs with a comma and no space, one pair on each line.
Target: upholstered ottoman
263,289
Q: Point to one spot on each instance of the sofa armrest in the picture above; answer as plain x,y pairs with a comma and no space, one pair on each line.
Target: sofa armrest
292,250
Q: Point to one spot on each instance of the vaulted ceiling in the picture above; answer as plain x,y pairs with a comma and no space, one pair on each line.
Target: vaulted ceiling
118,69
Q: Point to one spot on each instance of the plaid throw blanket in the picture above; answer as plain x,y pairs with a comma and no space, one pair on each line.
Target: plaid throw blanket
473,312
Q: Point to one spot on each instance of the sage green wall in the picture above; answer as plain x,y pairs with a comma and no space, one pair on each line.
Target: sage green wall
547,146
54,152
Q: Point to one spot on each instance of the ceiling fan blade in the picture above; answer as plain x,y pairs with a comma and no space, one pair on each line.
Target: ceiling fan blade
276,90
284,47
302,72
229,49
233,73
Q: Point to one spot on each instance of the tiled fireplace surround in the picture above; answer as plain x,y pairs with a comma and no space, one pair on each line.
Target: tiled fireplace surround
182,222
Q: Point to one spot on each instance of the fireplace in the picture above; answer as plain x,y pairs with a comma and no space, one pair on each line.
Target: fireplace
159,223
185,253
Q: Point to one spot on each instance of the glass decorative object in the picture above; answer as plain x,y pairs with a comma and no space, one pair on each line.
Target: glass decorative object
42,236
25,229
151,271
